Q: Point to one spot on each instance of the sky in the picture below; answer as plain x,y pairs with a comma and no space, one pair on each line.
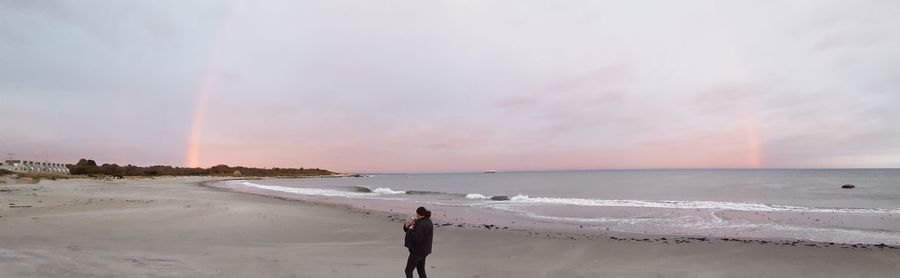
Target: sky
447,86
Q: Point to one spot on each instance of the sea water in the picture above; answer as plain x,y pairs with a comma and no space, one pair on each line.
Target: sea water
791,204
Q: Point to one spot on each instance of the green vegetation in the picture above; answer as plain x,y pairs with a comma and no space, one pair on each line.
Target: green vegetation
6,172
89,167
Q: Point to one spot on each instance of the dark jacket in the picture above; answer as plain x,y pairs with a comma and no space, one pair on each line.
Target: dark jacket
418,239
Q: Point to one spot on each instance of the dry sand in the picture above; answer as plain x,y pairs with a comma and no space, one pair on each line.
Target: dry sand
174,227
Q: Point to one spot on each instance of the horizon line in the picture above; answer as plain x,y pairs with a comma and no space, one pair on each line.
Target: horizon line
616,169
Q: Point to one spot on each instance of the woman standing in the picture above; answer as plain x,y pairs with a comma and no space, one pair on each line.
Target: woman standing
418,241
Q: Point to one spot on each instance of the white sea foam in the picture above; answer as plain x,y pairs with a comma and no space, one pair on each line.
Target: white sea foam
308,191
385,190
324,192
477,196
710,205
526,200
693,225
669,222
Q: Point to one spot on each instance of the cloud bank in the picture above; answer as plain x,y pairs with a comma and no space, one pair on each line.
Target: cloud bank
420,86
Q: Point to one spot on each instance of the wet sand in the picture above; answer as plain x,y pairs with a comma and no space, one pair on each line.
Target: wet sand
175,227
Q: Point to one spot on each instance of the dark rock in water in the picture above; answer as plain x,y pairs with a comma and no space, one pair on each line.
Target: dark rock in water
848,186
500,198
363,189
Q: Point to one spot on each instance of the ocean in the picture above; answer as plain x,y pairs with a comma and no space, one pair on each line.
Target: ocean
804,204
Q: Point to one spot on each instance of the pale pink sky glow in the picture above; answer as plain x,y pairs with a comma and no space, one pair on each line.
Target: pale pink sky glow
445,86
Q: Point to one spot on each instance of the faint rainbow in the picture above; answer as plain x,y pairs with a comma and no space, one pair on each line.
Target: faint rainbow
199,118
193,157
752,136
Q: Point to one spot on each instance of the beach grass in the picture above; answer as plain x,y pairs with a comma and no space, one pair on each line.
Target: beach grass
40,176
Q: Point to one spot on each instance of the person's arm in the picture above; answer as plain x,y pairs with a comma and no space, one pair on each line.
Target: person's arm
416,233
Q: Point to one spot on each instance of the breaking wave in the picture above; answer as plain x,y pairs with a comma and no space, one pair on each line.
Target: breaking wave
359,192
362,192
476,196
309,191
384,190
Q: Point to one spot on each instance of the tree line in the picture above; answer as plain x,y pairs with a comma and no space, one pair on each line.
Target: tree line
90,167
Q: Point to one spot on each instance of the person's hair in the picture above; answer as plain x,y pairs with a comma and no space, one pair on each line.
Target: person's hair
423,212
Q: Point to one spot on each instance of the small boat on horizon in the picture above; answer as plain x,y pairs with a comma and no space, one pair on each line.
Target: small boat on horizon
490,171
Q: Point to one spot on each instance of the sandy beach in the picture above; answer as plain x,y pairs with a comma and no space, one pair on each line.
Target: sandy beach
176,227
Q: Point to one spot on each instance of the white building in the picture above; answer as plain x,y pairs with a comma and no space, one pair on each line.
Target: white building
24,166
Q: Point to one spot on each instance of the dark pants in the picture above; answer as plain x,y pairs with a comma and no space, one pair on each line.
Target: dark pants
415,262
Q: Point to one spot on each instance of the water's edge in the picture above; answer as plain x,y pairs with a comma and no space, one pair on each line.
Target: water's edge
555,233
